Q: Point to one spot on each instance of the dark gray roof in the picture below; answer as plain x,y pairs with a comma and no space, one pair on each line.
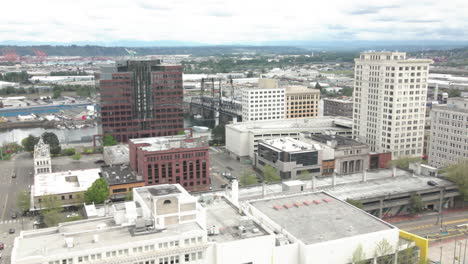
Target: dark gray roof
341,141
115,175
163,190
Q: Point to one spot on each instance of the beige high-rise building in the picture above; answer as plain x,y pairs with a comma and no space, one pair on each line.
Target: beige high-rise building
389,102
449,133
301,101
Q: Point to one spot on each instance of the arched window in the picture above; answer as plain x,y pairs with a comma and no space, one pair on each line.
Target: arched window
167,202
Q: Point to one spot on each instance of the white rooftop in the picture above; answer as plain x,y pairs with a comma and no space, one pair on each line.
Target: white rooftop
296,124
64,181
290,145
170,142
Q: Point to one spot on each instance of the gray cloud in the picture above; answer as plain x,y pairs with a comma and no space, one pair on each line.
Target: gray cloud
367,10
220,14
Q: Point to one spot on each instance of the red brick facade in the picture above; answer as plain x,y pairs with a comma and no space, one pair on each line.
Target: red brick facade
190,167
142,99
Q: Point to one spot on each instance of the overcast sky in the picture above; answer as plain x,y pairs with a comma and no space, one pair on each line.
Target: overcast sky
232,21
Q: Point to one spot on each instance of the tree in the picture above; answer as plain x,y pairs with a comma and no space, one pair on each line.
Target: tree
403,162
98,192
76,156
416,204
219,134
347,91
458,173
318,86
247,178
51,209
358,255
57,92
68,152
23,201
270,174
304,175
454,93
382,252
109,140
29,142
52,139
355,203
129,196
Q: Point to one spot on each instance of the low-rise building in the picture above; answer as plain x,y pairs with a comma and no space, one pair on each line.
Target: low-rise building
302,101
290,157
242,138
121,180
116,155
338,107
68,187
349,155
172,159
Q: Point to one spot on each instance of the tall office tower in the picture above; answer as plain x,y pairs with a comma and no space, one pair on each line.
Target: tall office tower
389,102
449,130
141,98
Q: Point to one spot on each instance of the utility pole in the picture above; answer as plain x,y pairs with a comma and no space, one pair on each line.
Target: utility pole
464,254
454,251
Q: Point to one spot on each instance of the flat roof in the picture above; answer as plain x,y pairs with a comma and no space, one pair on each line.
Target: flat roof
289,144
119,174
51,242
225,217
117,154
318,217
170,142
64,181
296,124
340,140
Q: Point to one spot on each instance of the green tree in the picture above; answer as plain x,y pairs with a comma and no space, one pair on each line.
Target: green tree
109,140
52,139
270,174
347,91
318,86
403,162
68,152
358,255
181,132
247,177
98,192
56,92
129,196
355,203
23,201
304,175
415,205
76,156
458,173
51,209
29,142
382,252
454,93
219,134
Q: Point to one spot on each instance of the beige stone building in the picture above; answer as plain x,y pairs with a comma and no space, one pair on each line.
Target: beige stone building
301,101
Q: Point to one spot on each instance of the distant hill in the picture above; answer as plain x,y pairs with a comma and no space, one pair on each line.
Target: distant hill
91,50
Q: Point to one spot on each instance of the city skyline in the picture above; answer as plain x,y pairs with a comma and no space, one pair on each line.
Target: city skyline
223,22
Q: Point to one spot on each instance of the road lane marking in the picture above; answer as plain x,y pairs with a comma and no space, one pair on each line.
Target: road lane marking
4,207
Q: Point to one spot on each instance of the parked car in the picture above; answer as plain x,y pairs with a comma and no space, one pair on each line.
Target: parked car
432,183
99,161
14,175
14,216
2,246
11,231
223,186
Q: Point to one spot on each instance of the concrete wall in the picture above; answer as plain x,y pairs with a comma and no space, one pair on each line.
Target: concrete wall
237,142
249,250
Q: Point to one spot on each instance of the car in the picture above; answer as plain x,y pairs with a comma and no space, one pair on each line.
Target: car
432,183
99,161
14,175
11,231
14,216
223,186
2,246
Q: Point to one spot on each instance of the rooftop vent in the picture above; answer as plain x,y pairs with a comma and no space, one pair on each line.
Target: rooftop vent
307,203
69,242
297,204
277,207
317,202
287,206
326,200
95,238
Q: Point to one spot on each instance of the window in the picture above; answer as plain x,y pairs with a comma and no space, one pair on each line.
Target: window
167,202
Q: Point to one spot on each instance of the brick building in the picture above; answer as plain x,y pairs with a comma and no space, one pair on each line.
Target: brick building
141,99
172,159
338,107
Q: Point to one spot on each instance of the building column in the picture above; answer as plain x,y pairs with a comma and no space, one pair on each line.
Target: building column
381,209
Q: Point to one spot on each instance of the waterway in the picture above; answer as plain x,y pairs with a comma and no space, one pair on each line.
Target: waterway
67,136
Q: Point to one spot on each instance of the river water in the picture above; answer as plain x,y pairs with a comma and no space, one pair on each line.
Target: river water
66,136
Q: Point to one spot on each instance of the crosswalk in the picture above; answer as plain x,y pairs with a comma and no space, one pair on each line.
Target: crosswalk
11,221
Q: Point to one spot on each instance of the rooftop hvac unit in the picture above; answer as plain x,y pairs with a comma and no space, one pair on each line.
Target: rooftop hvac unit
214,230
95,238
69,242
